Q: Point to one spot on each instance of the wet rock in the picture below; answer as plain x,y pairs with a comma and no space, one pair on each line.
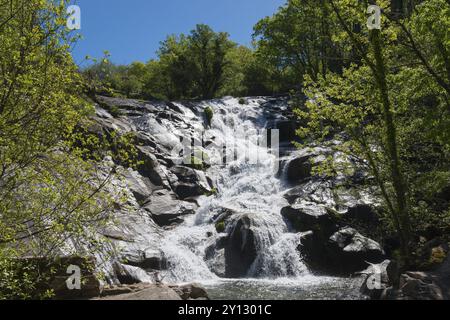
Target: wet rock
240,250
299,169
287,130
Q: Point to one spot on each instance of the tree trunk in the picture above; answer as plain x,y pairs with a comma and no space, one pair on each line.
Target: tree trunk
391,144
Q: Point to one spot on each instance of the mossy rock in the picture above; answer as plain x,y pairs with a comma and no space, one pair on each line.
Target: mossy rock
220,226
242,101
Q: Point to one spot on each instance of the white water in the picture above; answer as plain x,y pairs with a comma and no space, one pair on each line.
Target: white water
245,187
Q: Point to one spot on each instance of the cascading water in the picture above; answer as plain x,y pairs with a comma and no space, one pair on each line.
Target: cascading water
246,187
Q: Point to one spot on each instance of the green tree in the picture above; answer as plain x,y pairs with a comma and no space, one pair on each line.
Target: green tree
390,108
299,40
48,193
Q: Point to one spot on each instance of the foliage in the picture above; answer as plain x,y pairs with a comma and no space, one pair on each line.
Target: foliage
390,107
48,194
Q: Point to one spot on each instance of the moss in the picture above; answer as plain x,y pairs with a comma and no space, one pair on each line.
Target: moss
197,163
213,192
438,255
209,114
220,226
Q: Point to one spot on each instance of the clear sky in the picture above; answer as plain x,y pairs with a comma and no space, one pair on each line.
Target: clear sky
132,29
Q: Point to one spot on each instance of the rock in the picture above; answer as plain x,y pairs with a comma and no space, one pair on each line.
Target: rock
420,286
126,275
191,291
344,253
165,209
140,186
309,216
314,252
216,263
351,251
376,280
299,169
150,167
287,130
363,213
240,250
150,259
316,190
191,182
151,292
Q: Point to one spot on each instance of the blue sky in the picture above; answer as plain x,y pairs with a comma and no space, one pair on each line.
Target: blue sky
132,29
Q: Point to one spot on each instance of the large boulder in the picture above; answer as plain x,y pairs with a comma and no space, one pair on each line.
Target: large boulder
190,183
299,169
352,251
165,209
309,216
240,250
344,253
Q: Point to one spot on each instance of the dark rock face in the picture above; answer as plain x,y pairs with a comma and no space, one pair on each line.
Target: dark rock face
352,251
344,253
305,217
299,169
363,213
240,250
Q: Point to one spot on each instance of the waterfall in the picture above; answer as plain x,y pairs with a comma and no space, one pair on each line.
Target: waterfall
246,187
